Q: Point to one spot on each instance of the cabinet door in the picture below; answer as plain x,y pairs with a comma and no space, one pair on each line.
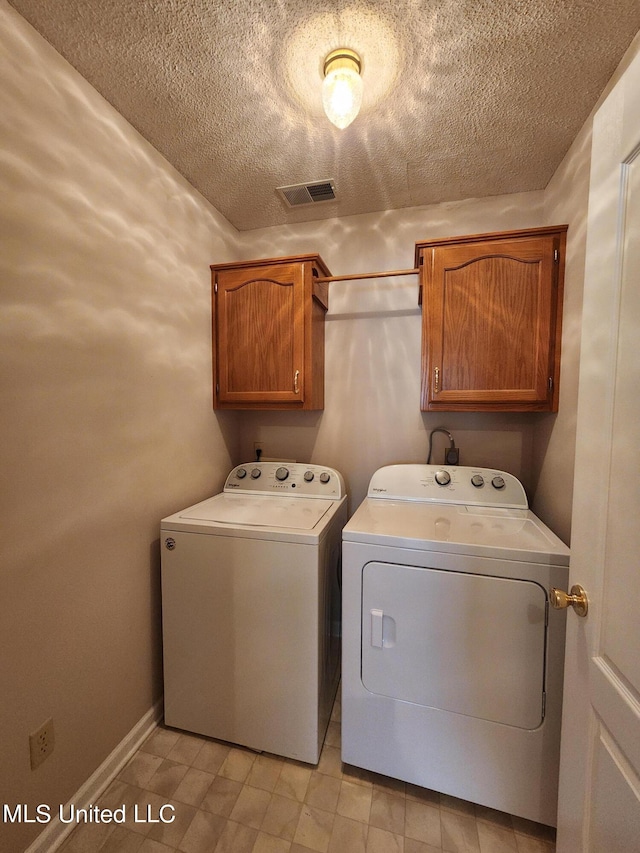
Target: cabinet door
490,322
260,334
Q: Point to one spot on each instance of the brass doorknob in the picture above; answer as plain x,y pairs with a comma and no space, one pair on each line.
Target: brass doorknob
577,599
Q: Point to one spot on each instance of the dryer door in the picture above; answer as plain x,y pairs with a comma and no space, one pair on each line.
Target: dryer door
464,643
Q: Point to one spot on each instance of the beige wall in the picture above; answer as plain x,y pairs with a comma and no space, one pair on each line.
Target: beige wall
107,422
566,200
106,392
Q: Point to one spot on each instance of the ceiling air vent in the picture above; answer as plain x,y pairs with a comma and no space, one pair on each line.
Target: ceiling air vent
311,193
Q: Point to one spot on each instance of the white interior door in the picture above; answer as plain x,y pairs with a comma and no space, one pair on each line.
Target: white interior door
599,804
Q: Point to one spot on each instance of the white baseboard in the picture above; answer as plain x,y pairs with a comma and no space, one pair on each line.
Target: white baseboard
56,832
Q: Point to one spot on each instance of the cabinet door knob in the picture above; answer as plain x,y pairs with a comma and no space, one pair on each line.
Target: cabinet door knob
436,380
296,389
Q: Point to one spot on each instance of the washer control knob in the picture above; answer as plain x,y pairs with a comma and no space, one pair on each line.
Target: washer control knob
241,473
498,483
325,477
282,473
443,478
477,480
255,473
308,476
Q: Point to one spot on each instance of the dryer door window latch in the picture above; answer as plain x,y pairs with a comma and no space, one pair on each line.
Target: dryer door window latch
383,629
376,628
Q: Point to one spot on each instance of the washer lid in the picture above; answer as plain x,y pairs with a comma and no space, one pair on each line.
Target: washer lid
259,511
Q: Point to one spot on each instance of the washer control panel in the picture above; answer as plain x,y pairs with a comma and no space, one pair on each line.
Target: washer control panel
294,478
448,484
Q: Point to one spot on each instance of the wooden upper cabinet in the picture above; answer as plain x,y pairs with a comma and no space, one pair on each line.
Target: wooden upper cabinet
492,321
268,333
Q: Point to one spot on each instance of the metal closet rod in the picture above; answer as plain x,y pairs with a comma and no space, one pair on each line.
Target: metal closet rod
361,275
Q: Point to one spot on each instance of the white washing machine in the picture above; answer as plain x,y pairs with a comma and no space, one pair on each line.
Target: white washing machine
452,658
251,609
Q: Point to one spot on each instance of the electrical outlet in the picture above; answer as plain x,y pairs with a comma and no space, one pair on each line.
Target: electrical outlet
258,449
41,743
452,456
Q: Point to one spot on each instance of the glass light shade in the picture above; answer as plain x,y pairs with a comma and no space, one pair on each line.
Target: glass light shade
342,88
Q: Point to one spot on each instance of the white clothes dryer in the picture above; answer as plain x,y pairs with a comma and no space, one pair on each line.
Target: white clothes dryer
452,659
251,609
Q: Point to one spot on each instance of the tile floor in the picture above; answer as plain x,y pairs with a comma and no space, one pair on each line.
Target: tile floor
232,800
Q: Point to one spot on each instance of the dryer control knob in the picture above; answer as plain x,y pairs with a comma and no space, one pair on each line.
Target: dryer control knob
282,473
255,473
325,477
498,483
477,480
443,478
241,473
308,476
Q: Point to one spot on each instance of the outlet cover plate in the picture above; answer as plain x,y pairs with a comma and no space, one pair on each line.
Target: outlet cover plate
41,743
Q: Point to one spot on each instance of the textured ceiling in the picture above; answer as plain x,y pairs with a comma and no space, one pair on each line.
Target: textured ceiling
463,98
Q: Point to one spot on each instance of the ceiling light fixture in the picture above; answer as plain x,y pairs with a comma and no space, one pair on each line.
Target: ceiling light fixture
342,87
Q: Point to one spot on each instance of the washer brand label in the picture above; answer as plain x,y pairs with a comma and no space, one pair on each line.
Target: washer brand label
375,489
